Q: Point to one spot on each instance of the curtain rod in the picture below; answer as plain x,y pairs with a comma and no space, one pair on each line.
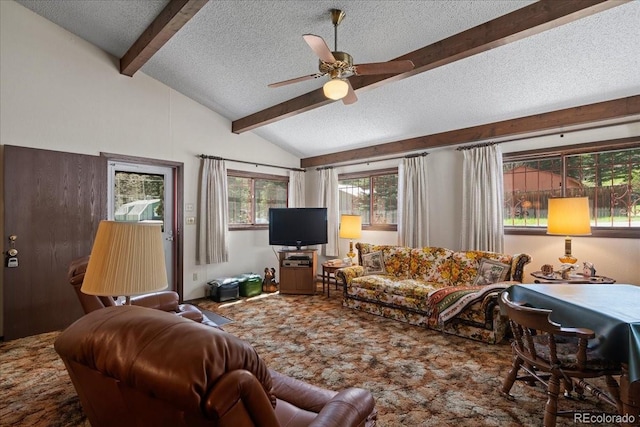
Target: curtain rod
554,132
366,162
204,156
484,144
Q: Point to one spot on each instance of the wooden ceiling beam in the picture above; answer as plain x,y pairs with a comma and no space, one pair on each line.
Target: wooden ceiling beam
172,18
585,114
527,21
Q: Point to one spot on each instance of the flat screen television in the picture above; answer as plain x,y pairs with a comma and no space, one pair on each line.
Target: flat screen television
297,226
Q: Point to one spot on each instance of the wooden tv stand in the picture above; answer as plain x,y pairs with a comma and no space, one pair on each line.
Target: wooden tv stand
298,279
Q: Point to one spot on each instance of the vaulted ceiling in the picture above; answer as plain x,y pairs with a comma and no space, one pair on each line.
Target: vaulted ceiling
484,70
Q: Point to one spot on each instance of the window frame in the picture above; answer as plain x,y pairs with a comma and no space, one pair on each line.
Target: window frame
568,150
371,174
255,176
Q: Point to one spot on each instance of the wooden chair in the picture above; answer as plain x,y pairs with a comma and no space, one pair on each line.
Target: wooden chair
552,354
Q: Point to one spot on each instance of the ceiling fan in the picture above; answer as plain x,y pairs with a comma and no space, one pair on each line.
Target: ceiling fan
339,66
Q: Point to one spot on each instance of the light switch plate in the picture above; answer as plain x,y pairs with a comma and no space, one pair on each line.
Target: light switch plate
191,220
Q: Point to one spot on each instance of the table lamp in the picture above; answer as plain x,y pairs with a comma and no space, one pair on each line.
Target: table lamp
126,259
569,216
350,228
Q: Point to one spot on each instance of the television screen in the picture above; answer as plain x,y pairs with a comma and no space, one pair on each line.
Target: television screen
297,226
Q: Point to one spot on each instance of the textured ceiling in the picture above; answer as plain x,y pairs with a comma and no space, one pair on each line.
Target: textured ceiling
228,53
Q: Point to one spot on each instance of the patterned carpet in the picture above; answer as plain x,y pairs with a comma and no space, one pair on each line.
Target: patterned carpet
418,377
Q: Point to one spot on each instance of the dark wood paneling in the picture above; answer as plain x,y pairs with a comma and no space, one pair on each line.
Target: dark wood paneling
53,202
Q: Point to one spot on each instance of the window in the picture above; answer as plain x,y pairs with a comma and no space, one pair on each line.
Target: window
138,197
373,195
608,175
251,195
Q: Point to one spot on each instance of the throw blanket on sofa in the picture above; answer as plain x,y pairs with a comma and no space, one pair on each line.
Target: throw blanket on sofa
446,303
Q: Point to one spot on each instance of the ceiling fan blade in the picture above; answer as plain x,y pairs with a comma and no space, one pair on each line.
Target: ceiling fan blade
296,80
351,95
319,47
391,67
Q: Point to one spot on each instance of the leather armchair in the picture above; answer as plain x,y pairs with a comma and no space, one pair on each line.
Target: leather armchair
132,366
164,300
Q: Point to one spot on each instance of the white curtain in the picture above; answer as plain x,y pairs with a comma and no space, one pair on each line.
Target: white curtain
213,222
413,209
482,202
296,189
329,199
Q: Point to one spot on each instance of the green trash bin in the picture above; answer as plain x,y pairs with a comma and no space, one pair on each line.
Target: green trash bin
250,284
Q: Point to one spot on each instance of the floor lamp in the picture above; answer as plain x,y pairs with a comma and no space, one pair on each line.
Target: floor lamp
127,259
350,228
569,216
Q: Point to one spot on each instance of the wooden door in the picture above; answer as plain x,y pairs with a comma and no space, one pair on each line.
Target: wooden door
53,203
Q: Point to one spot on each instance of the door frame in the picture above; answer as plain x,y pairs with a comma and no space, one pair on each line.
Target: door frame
178,217
167,173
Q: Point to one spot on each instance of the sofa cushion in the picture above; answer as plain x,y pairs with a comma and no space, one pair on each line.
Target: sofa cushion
391,285
464,265
397,259
373,263
491,271
407,294
431,265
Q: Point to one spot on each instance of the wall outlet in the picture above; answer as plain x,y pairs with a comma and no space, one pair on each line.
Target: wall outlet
191,220
188,207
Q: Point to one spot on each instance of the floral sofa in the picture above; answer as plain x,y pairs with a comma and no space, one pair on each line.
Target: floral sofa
453,292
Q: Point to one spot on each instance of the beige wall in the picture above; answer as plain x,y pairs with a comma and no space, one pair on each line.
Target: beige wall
58,92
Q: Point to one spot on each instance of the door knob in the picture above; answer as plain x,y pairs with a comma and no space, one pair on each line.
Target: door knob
12,252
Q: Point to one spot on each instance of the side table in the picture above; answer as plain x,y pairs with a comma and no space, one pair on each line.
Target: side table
328,274
573,279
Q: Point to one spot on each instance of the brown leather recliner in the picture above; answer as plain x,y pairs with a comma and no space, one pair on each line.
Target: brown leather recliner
165,300
133,366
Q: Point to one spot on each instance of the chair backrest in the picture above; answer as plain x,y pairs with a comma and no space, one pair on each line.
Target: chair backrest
77,269
531,326
137,366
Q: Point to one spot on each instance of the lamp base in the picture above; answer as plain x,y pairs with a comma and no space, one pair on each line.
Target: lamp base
351,254
568,259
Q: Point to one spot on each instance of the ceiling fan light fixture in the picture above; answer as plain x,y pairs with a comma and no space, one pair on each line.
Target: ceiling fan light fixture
339,66
335,89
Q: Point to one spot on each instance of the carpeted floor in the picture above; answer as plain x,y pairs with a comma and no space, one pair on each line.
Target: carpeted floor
418,377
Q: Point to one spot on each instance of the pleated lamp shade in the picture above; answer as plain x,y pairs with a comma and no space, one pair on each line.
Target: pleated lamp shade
126,259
